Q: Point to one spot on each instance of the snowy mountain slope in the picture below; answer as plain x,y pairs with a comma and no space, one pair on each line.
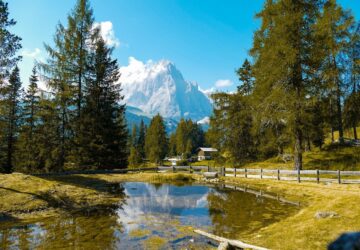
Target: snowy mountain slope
159,87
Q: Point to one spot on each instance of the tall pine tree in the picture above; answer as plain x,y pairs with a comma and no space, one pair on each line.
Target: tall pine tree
103,137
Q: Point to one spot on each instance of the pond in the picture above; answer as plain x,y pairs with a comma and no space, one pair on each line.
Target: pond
152,216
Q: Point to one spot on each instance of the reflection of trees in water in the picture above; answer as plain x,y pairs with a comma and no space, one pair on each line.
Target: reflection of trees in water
234,212
88,228
81,232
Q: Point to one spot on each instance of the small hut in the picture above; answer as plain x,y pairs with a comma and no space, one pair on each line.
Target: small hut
206,153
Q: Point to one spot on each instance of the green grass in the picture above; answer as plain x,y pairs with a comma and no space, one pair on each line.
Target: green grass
204,163
303,230
348,133
332,157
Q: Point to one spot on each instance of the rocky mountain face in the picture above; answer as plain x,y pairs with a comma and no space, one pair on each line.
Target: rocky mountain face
159,87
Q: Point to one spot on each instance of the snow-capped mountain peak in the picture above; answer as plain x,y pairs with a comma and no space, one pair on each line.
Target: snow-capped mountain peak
159,87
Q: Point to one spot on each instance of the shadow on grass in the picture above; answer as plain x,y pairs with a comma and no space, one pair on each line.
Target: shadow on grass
87,182
335,157
56,199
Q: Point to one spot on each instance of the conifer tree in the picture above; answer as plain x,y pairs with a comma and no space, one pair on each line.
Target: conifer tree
246,78
188,137
28,155
134,158
11,117
49,137
352,102
9,45
282,49
172,144
54,72
141,139
134,136
231,126
103,136
65,72
333,30
79,34
156,143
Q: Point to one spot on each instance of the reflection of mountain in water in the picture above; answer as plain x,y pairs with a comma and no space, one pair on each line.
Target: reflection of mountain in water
167,201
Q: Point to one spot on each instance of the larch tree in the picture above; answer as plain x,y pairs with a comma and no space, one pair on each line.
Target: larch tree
65,71
333,30
282,62
352,102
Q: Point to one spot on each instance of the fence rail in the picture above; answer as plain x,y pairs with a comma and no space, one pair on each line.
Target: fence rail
318,176
335,176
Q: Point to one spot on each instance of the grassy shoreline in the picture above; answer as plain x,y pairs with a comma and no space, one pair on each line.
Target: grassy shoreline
27,198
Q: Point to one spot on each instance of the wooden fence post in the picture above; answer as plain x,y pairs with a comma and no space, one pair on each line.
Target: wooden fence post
245,173
173,169
339,176
234,172
208,167
278,174
261,173
298,175
223,170
190,168
317,176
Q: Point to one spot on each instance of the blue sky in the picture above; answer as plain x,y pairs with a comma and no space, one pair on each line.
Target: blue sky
206,39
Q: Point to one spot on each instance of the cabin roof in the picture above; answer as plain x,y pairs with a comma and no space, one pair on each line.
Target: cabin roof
207,149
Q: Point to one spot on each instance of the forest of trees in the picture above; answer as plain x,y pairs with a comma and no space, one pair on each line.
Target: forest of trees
303,82
79,122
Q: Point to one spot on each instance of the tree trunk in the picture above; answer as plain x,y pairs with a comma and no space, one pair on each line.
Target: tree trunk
338,102
355,132
298,149
332,122
339,115
10,142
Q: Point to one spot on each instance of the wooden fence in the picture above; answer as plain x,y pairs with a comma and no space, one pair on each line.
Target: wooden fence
334,176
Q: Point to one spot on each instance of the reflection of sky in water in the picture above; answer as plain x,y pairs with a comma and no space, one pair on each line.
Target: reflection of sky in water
146,200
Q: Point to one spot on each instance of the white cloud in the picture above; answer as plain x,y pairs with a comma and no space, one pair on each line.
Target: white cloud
108,34
208,92
223,83
34,54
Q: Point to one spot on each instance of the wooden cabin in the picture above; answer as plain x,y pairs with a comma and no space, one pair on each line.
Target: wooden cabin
206,153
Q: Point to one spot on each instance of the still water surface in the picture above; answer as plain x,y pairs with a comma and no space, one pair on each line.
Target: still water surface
160,216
